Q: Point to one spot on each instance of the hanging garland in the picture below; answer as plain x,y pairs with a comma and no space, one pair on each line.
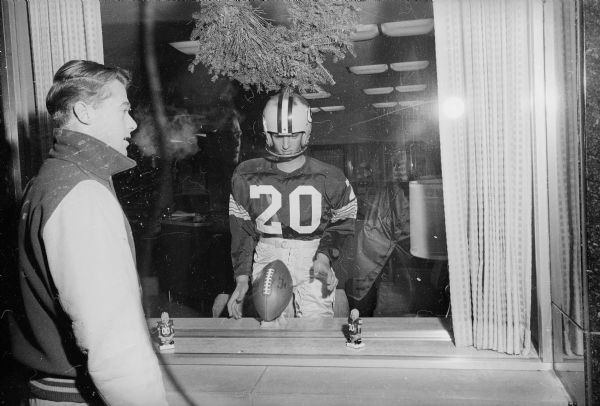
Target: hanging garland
237,42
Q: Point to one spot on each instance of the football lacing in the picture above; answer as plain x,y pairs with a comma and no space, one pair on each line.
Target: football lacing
268,281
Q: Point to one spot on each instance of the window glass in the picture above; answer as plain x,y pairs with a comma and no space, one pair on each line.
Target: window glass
385,139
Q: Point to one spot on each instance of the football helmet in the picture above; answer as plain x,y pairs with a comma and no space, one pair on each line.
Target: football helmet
286,113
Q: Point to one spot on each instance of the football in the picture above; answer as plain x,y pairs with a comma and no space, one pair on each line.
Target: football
272,290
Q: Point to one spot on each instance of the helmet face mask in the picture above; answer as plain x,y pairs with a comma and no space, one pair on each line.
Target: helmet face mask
287,115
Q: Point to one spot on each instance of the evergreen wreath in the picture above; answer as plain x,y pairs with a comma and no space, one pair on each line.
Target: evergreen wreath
236,41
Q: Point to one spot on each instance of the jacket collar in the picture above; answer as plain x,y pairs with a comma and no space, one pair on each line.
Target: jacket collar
89,153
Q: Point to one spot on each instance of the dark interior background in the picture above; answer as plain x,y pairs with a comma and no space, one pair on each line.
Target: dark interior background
184,266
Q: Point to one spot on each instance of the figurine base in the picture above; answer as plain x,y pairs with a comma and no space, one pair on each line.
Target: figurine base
355,346
166,347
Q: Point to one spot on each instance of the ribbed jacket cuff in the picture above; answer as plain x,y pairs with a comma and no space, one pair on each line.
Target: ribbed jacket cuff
55,389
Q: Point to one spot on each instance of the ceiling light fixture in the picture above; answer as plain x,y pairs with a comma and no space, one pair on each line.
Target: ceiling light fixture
406,66
411,88
409,103
316,95
368,69
378,90
332,108
407,28
186,47
384,105
364,32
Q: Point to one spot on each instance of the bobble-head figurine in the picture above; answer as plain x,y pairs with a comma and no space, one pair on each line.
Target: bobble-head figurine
166,332
354,330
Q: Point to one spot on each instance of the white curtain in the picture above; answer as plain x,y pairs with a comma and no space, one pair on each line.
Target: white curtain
560,31
483,57
60,30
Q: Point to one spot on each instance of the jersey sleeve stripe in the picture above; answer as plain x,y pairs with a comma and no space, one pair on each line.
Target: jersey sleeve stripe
346,212
236,210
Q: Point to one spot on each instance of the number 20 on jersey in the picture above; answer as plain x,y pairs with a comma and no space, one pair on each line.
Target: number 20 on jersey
274,197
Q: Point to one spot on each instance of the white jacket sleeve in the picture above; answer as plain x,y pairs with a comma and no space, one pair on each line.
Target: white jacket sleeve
93,269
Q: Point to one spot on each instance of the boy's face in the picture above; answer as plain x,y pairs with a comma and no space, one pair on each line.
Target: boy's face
111,122
287,144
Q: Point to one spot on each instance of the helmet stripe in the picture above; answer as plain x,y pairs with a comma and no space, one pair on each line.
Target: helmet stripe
289,115
279,110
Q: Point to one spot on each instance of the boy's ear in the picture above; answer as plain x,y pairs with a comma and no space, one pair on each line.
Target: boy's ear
82,112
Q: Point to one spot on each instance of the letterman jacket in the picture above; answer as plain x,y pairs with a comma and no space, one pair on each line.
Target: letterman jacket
81,307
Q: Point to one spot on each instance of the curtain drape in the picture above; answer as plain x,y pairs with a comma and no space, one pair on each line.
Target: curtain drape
564,170
483,60
60,30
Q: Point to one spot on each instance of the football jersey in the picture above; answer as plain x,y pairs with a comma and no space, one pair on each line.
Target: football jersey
316,201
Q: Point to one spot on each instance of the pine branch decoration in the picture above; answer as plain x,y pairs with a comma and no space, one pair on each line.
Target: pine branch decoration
237,42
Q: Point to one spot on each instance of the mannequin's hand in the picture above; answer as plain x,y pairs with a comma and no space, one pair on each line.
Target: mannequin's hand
322,271
236,301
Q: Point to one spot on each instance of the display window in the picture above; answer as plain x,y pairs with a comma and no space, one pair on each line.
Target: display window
447,134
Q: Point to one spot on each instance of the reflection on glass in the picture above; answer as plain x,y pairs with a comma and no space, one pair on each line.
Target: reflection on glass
567,289
565,197
177,201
